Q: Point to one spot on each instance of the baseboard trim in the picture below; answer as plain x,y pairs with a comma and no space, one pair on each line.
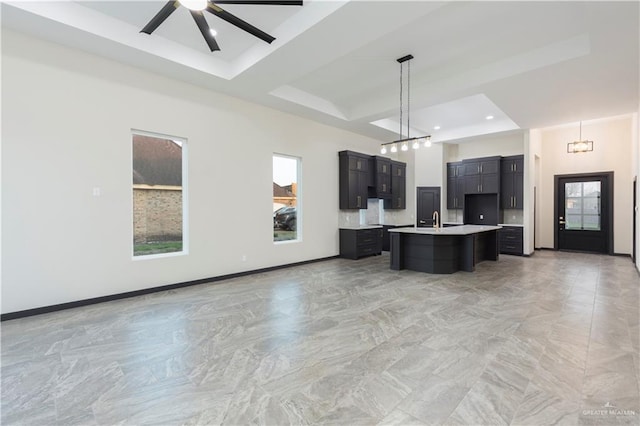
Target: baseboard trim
622,255
135,293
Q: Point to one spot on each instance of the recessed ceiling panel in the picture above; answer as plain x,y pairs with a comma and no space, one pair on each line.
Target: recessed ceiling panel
470,116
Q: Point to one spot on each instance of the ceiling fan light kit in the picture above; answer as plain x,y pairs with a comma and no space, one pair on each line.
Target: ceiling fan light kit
194,4
404,142
197,7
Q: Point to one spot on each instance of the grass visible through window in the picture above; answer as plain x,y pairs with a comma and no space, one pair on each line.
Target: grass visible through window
157,248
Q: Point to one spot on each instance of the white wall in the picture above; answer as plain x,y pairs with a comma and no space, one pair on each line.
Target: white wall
67,118
533,188
503,144
612,151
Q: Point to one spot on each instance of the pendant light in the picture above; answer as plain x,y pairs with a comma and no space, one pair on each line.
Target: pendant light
404,142
579,145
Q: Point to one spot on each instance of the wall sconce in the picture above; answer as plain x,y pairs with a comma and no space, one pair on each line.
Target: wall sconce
579,145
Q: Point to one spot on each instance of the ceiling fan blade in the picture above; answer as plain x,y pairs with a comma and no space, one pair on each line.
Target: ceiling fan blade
204,29
262,2
164,13
234,20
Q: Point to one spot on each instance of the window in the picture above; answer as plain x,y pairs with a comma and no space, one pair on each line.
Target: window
582,201
158,190
286,196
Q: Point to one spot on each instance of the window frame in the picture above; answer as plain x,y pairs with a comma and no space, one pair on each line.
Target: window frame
299,206
184,190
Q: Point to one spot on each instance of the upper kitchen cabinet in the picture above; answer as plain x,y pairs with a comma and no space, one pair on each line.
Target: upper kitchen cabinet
379,177
512,182
455,185
354,180
482,175
398,199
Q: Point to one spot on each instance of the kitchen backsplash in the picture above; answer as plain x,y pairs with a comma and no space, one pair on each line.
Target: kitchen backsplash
513,217
374,214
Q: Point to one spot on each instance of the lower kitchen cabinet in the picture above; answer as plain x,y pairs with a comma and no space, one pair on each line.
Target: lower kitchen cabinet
511,240
357,243
386,243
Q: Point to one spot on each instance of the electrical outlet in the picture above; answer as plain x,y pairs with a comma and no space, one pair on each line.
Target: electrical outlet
244,257
96,191
481,217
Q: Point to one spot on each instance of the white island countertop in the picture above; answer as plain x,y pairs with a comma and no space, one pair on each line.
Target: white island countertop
449,230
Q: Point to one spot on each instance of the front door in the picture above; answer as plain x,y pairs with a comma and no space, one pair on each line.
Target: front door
428,201
584,213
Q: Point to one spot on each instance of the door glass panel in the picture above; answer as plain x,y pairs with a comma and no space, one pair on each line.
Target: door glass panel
582,206
573,189
574,221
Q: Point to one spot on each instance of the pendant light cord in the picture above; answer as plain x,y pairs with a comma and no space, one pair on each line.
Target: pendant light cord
408,96
400,132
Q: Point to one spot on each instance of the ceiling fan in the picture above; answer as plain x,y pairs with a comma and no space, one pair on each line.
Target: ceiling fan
196,7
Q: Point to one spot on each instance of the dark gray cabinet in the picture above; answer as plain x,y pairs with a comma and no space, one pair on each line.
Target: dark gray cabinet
357,243
379,177
354,180
482,175
512,182
511,240
398,196
455,185
385,235
364,176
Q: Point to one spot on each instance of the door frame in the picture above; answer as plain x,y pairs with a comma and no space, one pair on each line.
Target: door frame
609,205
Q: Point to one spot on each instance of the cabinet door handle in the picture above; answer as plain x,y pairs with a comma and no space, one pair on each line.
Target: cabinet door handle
358,200
480,167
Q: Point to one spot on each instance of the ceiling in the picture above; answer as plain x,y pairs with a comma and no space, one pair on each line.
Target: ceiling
527,64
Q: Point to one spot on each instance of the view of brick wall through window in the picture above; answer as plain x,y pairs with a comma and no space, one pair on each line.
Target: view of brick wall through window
157,195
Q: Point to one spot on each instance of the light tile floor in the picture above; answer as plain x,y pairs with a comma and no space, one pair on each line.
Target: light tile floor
551,339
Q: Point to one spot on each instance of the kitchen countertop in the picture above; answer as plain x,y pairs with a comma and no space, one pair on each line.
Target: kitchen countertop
359,227
511,224
451,230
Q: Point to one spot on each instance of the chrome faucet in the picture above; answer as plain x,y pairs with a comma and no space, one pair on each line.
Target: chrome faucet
436,220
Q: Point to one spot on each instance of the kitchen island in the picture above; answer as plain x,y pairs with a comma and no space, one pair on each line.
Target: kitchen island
443,250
